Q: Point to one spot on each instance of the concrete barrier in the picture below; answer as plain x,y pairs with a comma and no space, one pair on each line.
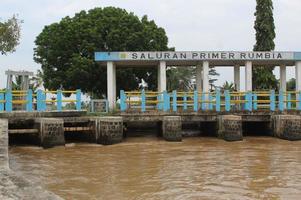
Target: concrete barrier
287,127
3,144
109,130
230,127
51,131
172,128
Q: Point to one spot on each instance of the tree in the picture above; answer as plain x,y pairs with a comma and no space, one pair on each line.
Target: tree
9,35
263,77
66,49
180,78
228,86
291,84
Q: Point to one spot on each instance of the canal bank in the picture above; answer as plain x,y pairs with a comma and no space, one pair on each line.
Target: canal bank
14,185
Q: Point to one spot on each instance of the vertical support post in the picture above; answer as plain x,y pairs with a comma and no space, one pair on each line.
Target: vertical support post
111,84
40,98
185,101
162,76
227,101
195,101
283,82
237,77
2,101
29,101
210,102
218,101
255,101
174,101
199,78
8,101
143,101
249,101
299,99
59,100
289,103
122,100
206,79
272,100
160,98
281,101
248,76
298,82
78,100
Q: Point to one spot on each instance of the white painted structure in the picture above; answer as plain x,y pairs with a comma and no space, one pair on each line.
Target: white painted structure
202,60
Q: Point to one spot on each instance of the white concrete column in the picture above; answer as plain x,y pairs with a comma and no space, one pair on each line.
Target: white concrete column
198,78
283,78
237,77
111,84
205,76
162,76
298,76
248,76
9,82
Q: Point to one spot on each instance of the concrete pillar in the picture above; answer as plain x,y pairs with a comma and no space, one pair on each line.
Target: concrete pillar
287,127
109,130
237,77
199,78
3,144
172,128
230,127
248,76
9,82
162,76
205,76
298,76
283,78
111,84
51,131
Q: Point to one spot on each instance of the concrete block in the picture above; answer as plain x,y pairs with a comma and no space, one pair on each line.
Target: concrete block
287,127
109,130
172,128
51,131
3,144
230,127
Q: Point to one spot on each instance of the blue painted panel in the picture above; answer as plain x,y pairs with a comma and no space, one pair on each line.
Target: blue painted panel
107,56
299,99
174,101
78,100
249,104
29,101
210,104
203,101
123,105
59,99
143,101
8,101
166,98
160,103
289,103
40,100
272,100
281,101
195,101
227,101
2,98
218,101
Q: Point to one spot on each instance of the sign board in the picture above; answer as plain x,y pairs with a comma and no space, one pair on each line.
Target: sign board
195,55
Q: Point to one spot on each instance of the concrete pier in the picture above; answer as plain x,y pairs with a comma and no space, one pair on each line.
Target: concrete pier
230,127
51,131
3,144
172,128
287,127
109,130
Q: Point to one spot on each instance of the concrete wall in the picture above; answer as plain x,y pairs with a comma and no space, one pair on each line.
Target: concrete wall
3,144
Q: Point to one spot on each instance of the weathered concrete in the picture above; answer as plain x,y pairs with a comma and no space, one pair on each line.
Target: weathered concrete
3,144
109,130
230,127
51,131
287,126
172,128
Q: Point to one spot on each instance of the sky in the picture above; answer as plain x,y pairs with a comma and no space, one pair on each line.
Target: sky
191,25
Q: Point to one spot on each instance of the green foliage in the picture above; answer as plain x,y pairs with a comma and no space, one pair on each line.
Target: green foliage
9,35
291,84
66,49
263,77
228,86
180,78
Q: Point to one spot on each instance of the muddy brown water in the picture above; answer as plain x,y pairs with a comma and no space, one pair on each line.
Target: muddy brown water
150,168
